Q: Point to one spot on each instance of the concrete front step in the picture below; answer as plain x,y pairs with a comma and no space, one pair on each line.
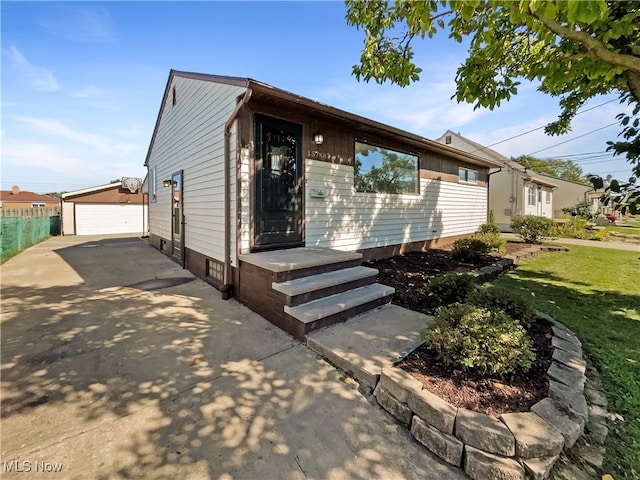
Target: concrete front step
341,303
307,289
300,262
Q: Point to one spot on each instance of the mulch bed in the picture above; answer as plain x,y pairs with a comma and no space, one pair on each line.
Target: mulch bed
408,274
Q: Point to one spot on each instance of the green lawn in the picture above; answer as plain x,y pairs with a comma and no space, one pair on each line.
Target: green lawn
625,230
596,293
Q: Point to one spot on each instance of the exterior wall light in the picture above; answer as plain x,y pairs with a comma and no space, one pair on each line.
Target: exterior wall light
166,183
318,138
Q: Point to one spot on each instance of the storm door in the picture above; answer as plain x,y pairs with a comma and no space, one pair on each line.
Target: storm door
177,219
278,209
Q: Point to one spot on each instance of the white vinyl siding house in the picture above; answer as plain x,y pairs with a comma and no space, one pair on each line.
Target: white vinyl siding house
190,137
350,220
291,166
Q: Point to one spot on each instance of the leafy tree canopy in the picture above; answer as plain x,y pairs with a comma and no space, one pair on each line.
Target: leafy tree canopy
575,49
557,167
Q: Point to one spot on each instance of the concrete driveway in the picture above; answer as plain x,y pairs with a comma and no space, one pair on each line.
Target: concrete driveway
106,381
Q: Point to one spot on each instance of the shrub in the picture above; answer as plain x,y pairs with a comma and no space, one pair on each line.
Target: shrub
465,337
601,235
566,230
495,242
496,298
470,250
450,288
532,228
583,209
490,226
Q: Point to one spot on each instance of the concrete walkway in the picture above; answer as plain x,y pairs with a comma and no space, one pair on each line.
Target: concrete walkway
107,381
612,245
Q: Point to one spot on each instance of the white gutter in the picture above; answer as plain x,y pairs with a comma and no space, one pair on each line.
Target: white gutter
227,286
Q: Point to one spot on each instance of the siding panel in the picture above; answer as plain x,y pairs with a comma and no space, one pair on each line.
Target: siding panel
190,137
350,220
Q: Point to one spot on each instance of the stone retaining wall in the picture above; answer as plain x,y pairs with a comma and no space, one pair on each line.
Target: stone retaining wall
497,448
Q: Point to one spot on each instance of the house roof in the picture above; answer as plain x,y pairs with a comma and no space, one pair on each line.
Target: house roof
478,149
91,190
24,196
267,93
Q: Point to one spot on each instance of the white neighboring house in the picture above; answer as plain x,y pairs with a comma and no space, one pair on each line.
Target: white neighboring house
515,190
238,169
105,209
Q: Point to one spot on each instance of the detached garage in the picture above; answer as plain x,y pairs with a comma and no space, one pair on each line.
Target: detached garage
114,208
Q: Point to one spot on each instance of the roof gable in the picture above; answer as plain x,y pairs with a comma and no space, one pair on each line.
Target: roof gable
266,92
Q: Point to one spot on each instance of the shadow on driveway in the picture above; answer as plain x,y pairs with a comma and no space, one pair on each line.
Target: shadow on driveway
111,381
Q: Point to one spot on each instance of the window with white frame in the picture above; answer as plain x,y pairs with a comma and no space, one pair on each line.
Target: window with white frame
531,194
468,175
548,196
37,205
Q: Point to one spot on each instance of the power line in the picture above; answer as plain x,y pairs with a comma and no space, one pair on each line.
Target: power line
574,138
543,126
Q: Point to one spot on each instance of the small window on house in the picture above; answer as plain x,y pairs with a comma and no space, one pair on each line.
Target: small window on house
468,175
548,196
215,269
173,96
37,205
531,194
383,170
447,139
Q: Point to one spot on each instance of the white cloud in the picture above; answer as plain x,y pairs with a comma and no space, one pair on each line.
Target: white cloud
39,78
81,24
61,131
89,91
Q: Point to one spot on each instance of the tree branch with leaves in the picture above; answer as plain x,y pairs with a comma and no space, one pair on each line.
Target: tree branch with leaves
575,50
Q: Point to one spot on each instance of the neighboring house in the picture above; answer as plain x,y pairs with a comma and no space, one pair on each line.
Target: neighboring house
516,190
106,209
570,193
15,198
251,187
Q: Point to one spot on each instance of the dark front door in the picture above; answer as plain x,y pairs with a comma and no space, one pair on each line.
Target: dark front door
278,183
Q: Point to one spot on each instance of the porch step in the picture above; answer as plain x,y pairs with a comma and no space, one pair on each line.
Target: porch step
306,289
345,304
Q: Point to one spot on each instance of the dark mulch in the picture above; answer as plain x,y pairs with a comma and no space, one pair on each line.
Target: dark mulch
408,274
491,395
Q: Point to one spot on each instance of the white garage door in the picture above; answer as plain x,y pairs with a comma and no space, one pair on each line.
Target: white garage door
94,219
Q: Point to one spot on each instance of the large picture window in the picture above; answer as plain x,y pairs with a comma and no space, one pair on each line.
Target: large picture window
383,170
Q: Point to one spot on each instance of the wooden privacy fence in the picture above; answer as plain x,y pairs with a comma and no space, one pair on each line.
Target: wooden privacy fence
22,227
36,212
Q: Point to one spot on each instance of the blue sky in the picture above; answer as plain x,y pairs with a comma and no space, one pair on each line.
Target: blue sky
82,84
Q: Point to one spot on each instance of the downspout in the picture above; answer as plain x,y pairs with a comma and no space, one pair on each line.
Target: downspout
227,286
489,191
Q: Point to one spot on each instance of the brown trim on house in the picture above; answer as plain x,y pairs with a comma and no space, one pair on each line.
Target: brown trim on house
448,177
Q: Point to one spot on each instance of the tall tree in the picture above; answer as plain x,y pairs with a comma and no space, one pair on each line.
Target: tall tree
576,50
557,167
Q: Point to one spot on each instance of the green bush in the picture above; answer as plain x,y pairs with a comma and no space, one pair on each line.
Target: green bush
450,288
601,235
490,226
532,228
583,209
465,337
496,298
566,230
470,250
495,242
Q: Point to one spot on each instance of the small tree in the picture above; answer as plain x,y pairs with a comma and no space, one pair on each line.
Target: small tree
583,209
533,229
